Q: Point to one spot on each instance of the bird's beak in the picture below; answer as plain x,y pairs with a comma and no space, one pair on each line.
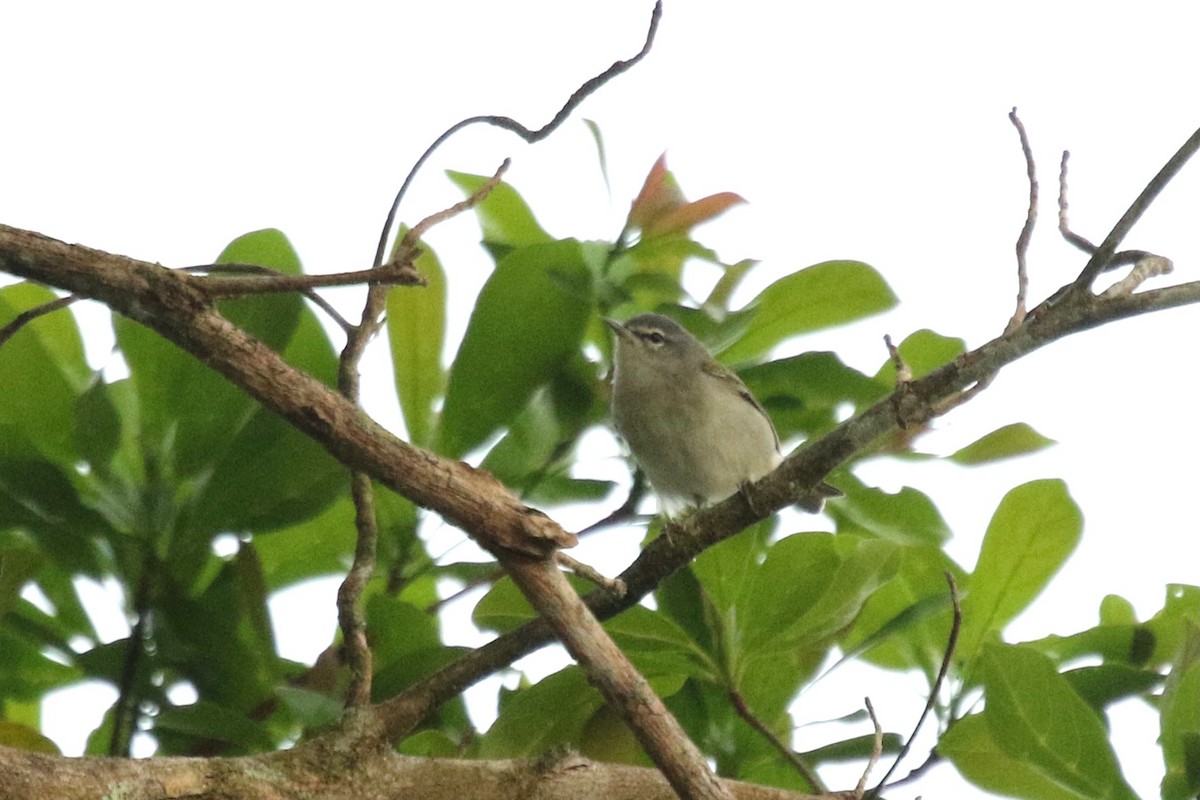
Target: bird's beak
620,330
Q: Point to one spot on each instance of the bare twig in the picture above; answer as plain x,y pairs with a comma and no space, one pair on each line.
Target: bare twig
876,750
1102,258
935,690
29,315
1030,220
614,585
509,124
903,370
791,756
626,512
1064,224
405,252
396,274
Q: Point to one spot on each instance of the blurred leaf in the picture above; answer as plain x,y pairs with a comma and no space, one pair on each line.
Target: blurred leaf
19,562
804,393
1017,439
22,737
97,426
503,608
320,545
44,371
528,320
598,139
969,745
270,317
1037,718
417,332
660,208
1035,528
730,279
39,497
859,747
204,721
311,709
503,215
923,352
221,640
26,673
821,296
535,719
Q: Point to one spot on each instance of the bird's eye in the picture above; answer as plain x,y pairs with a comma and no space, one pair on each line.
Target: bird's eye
654,337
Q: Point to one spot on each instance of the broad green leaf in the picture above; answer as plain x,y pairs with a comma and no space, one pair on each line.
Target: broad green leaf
906,623
38,497
1017,439
529,319
657,646
43,372
503,608
786,612
821,296
907,517
416,329
970,746
320,545
727,571
187,410
1037,718
1035,528
923,352
535,719
503,215
270,475
804,393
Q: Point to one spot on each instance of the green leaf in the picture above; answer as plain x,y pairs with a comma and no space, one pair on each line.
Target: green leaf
907,517
657,646
1017,439
804,393
1037,718
205,721
503,608
969,745
19,561
906,623
44,371
320,545
551,712
312,709
22,737
788,612
1035,528
417,332
529,319
1104,684
1180,723
730,279
923,352
821,296
503,215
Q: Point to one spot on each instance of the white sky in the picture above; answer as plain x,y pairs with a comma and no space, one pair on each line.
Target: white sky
874,131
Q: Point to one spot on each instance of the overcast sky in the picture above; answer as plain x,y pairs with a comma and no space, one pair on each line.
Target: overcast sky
874,131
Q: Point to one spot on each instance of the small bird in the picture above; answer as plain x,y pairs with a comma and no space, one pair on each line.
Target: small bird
697,432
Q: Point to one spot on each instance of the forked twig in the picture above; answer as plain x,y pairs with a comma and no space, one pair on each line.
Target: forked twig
951,644
510,124
1030,220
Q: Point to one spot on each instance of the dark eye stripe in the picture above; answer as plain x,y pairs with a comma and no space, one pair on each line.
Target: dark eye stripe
654,337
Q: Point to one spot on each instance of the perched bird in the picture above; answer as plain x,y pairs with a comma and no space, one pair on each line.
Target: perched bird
697,432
